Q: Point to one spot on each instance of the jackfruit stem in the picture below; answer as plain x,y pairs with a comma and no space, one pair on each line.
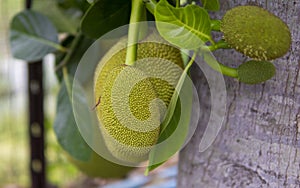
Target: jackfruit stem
221,44
137,11
214,64
228,71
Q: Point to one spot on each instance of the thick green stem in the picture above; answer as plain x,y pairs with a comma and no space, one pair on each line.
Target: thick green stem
228,71
225,70
137,11
221,44
214,64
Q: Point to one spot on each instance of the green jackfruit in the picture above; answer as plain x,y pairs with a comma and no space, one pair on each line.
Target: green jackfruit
256,32
254,72
153,46
161,65
129,123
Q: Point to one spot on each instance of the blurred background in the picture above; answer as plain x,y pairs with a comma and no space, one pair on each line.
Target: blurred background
14,144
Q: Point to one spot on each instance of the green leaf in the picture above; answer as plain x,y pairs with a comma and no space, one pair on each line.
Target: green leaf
104,16
32,36
213,5
65,21
66,129
215,25
72,5
175,126
186,27
255,72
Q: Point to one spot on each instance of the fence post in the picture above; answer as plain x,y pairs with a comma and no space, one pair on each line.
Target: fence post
36,121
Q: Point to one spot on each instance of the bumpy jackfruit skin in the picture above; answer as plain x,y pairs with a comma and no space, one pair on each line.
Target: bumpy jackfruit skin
162,64
130,132
254,72
256,32
152,46
97,166
164,76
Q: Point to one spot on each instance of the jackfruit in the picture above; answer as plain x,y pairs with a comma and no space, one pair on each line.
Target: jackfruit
129,123
256,32
254,72
159,66
153,46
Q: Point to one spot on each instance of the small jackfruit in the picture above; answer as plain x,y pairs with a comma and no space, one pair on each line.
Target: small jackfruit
256,32
130,133
254,72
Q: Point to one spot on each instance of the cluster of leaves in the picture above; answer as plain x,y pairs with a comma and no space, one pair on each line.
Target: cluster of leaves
34,34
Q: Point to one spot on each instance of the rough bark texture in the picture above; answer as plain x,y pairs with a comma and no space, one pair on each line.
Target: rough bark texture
259,144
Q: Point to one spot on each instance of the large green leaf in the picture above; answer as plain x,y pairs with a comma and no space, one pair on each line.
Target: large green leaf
175,127
186,27
66,129
213,5
73,5
104,16
32,36
65,21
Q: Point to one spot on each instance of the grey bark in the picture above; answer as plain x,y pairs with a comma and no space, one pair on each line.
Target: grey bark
259,143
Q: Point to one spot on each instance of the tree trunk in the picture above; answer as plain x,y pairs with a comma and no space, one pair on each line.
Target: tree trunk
258,145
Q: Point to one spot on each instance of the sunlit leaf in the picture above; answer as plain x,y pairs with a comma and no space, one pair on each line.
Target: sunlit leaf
170,141
186,27
213,5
